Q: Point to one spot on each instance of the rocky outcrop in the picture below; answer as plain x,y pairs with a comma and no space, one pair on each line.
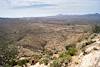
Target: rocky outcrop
90,57
91,60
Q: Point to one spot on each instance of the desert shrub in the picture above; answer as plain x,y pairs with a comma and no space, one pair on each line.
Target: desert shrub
13,63
66,56
44,61
22,62
96,29
36,56
63,59
8,54
55,63
46,51
8,51
6,65
72,51
70,45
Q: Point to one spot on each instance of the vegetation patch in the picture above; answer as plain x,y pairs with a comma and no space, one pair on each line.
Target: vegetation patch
44,61
22,62
55,63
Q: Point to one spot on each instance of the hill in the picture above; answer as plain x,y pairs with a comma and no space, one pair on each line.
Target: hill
57,39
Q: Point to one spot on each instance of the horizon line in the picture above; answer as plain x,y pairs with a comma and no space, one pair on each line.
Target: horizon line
50,15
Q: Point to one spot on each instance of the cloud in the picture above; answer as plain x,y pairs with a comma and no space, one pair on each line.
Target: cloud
25,4
34,5
16,8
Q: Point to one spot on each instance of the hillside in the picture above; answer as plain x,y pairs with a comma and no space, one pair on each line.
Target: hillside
54,41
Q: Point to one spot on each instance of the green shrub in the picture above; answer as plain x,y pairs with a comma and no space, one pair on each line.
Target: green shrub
22,62
61,60
46,51
8,55
44,61
55,63
97,29
72,51
66,56
70,46
7,65
13,63
37,57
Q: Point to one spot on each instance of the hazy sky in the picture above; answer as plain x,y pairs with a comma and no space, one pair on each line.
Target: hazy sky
33,8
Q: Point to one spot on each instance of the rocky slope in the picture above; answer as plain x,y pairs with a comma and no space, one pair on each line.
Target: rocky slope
90,57
52,45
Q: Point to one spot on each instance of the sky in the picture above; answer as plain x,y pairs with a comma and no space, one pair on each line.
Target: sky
38,8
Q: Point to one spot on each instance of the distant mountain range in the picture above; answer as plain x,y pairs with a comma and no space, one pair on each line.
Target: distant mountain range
87,18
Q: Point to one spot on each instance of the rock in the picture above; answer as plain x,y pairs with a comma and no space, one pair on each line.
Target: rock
38,65
17,66
22,58
94,46
92,56
25,52
55,56
91,60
